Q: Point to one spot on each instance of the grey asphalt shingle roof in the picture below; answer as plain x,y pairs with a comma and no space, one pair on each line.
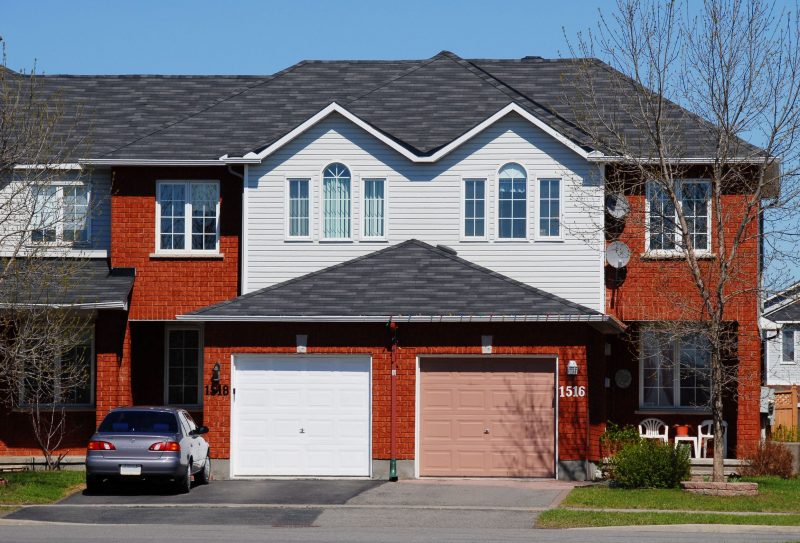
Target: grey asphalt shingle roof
68,282
410,279
422,104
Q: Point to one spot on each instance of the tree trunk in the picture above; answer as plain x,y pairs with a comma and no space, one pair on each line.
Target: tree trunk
717,389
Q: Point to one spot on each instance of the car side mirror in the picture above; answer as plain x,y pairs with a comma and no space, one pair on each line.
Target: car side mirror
199,430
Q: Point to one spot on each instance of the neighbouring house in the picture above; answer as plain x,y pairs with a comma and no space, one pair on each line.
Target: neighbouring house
352,262
781,324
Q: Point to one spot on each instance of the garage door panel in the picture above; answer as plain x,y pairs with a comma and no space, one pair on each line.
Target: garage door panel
328,398
513,398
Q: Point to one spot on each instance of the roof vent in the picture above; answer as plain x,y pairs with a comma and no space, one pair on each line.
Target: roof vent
532,57
447,249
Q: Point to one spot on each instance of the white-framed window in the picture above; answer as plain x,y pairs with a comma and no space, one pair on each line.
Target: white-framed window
674,371
474,209
337,202
549,209
787,344
183,366
187,216
299,209
512,202
69,382
663,230
61,213
374,208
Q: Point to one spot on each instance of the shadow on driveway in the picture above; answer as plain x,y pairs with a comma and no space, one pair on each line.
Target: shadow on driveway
334,492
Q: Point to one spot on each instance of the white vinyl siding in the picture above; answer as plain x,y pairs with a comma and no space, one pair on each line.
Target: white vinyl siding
425,202
781,355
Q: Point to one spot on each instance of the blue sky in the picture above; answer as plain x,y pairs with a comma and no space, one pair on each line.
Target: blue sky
257,37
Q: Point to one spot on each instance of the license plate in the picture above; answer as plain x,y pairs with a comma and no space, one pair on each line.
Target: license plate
130,470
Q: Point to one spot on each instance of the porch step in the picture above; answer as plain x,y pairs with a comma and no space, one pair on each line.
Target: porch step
705,466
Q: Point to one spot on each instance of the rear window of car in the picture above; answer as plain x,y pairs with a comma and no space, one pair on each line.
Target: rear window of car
139,422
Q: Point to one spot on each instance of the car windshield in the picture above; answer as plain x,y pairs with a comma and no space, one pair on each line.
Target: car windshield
139,422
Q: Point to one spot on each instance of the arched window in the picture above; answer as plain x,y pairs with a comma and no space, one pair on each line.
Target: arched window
336,202
512,201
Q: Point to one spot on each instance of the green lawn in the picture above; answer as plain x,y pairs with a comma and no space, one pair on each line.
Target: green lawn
38,486
775,495
574,518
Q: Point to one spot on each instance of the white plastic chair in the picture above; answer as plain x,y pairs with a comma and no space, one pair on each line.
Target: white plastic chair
654,429
705,433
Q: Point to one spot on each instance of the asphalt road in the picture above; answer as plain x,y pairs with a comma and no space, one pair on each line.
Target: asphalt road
78,533
341,511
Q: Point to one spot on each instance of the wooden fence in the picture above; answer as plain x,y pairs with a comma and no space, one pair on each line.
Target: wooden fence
786,408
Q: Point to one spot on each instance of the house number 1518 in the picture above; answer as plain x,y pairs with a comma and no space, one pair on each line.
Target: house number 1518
571,391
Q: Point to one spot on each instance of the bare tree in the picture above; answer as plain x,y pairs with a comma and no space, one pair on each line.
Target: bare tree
734,67
44,362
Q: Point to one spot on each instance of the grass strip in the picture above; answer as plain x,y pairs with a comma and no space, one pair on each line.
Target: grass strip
574,518
775,495
36,487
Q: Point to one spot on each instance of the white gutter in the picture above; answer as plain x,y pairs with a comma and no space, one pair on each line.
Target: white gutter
150,162
401,318
98,305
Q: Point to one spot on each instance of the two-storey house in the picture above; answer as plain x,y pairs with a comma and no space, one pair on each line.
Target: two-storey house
351,268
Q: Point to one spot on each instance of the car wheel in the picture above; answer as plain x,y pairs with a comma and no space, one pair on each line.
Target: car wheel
204,475
184,484
93,483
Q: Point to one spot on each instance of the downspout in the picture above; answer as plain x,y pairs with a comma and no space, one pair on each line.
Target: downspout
393,424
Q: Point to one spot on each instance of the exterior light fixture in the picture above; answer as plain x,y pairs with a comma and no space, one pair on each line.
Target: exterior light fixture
572,368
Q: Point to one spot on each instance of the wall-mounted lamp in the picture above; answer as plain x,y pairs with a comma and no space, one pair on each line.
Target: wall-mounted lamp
215,375
572,368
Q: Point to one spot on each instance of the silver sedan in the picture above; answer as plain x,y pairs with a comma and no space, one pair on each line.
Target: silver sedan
146,443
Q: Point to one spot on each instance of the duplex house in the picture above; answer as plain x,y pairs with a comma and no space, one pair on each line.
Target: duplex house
373,268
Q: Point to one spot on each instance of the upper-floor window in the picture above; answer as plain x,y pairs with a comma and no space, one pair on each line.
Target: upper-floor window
663,232
188,216
549,208
374,209
299,209
475,208
512,202
675,370
787,344
61,214
336,202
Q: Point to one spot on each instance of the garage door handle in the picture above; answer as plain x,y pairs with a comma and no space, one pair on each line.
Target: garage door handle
485,430
302,431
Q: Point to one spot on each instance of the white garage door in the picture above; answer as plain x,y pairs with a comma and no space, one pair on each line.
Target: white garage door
301,416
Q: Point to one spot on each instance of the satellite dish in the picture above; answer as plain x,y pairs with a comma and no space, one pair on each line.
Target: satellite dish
618,255
617,205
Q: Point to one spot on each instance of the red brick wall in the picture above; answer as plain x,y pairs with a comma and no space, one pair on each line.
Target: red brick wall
654,290
568,342
168,287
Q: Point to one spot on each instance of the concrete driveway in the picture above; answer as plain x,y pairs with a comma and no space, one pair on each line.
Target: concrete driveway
307,503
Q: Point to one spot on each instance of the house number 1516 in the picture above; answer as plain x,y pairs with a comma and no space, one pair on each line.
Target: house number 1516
572,391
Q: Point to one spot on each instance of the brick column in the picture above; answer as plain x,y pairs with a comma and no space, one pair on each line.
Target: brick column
113,362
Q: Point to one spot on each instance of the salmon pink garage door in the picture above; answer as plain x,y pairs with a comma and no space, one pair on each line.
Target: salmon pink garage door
487,417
